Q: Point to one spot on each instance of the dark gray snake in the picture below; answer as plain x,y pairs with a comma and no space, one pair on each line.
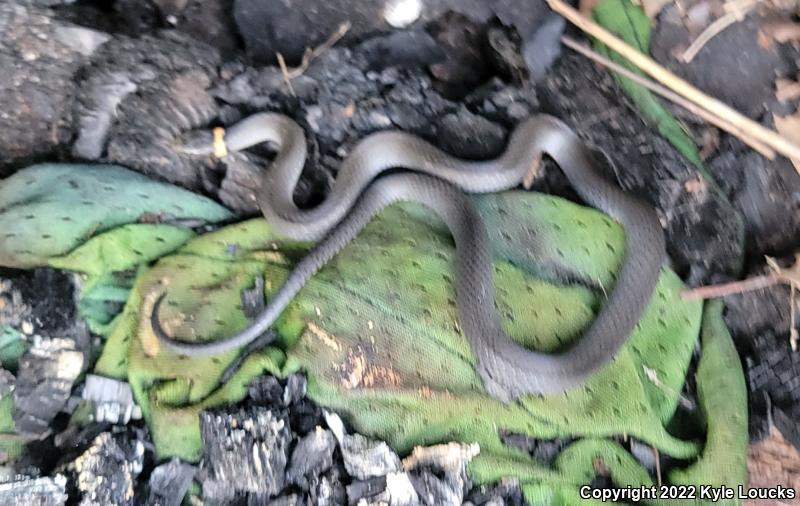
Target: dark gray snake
439,181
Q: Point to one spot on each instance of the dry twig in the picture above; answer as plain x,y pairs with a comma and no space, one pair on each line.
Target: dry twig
309,55
732,288
652,375
734,14
657,458
285,71
778,275
671,96
678,85
791,277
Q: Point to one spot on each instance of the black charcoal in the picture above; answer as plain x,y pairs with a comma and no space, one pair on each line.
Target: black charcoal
265,391
295,389
543,450
311,457
244,452
439,473
45,377
329,489
24,490
365,489
363,457
169,482
106,472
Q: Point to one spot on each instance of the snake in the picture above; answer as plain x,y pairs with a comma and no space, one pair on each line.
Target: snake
392,166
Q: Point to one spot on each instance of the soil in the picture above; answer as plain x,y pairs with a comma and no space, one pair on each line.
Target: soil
461,77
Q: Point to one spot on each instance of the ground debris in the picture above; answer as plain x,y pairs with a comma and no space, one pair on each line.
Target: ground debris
44,491
365,458
45,377
543,450
305,416
773,374
433,490
311,457
394,489
284,500
138,95
431,476
269,28
36,83
169,482
329,489
207,20
13,310
295,390
789,127
265,391
105,474
464,66
543,47
244,452
366,490
450,457
732,67
403,48
458,132
439,473
105,92
24,306
7,381
774,461
506,493
112,399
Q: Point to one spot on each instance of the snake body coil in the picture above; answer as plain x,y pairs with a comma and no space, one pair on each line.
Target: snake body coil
439,181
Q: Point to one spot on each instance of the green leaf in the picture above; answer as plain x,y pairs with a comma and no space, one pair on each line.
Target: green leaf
48,210
13,344
722,393
630,23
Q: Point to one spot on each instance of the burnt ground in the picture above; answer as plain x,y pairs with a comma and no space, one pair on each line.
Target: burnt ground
142,74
